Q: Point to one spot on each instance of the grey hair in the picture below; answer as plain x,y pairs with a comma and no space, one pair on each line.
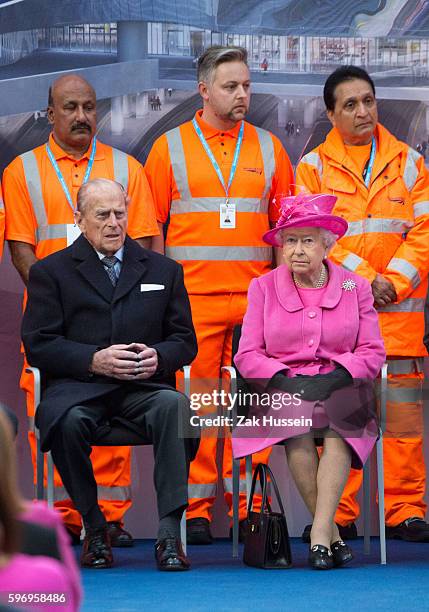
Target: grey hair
97,186
215,55
328,237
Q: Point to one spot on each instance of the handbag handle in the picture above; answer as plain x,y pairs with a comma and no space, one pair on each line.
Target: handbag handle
262,471
261,475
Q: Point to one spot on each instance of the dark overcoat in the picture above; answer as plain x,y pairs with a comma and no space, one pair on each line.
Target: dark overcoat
73,310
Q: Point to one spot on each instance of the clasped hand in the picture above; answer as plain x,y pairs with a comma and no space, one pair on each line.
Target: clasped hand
383,291
134,361
313,388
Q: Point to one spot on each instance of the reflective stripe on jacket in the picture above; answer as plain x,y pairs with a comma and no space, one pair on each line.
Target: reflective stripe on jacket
47,231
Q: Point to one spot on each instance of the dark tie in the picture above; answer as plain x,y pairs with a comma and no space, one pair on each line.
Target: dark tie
109,263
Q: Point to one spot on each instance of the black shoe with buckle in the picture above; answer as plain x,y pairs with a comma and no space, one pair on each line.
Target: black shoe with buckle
242,530
169,555
119,538
320,557
96,551
341,553
413,529
347,532
198,531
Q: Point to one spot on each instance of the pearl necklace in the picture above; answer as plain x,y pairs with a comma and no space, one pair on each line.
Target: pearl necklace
322,279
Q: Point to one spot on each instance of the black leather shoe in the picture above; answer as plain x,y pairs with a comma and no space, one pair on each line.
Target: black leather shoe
198,531
305,537
414,529
347,532
96,551
242,530
320,557
341,553
74,536
119,538
169,555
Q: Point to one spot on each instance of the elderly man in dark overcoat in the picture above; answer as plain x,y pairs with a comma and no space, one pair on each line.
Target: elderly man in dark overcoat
109,324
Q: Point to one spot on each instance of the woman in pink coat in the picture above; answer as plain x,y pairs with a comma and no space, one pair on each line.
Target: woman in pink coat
36,582
311,344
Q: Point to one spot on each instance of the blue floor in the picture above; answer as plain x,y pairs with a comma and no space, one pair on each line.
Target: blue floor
217,582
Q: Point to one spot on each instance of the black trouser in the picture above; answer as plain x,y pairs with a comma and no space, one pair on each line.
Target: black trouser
156,416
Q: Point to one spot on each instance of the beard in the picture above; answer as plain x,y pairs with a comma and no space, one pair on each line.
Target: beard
236,114
241,111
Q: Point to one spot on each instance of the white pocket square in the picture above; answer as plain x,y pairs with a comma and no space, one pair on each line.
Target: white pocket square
151,287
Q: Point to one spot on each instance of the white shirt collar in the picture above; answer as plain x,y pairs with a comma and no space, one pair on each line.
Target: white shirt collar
119,254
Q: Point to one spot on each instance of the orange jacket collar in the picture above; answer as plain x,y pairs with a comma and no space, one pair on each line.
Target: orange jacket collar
388,148
59,153
211,132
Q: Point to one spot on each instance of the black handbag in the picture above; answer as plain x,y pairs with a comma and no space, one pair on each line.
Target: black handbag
267,539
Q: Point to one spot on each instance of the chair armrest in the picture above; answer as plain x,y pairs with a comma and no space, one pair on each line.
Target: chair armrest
187,379
233,378
37,386
383,397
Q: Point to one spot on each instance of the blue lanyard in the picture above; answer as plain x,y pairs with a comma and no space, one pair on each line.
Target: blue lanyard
60,176
368,170
213,160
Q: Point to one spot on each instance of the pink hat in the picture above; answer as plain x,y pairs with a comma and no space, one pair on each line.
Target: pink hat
307,210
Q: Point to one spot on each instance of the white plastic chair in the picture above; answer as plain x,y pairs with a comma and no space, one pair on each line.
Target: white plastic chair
366,476
40,456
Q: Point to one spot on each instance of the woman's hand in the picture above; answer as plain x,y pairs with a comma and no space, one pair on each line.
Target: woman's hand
312,388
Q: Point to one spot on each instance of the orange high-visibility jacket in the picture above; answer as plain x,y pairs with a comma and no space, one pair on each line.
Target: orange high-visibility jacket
188,193
388,227
37,211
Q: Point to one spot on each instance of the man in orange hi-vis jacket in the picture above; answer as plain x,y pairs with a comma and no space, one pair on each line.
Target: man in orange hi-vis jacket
40,189
214,180
382,187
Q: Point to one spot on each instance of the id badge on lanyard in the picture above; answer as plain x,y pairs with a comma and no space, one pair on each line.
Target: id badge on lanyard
227,215
72,230
228,209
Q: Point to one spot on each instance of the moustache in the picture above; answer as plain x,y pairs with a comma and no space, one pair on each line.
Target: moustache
81,126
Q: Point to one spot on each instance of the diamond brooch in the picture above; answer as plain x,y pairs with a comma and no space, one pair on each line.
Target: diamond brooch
348,285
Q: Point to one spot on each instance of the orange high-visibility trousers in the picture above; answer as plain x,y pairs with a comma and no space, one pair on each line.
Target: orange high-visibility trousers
215,317
112,470
404,466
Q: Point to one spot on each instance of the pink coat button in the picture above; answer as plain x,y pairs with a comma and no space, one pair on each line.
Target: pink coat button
310,342
312,314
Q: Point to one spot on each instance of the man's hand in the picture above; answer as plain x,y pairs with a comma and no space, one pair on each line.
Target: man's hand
125,361
116,361
383,291
148,361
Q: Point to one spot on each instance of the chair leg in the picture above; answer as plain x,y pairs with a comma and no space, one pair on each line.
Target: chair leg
248,478
40,461
183,531
50,496
367,507
235,505
380,465
381,516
